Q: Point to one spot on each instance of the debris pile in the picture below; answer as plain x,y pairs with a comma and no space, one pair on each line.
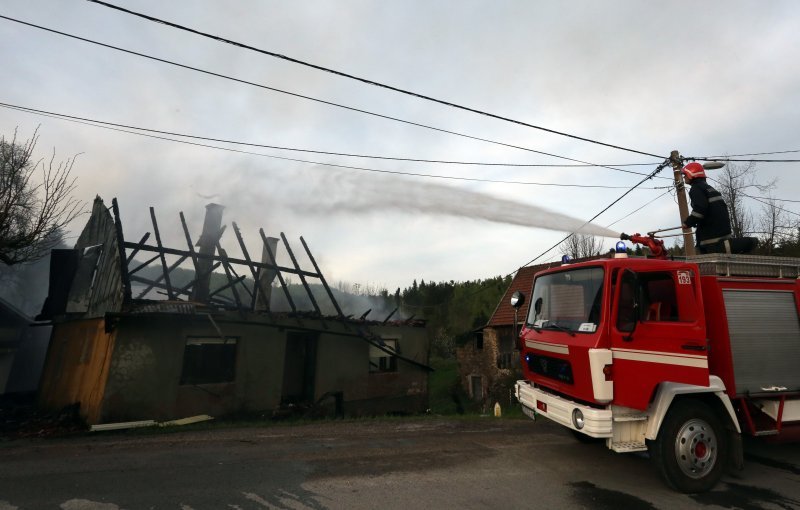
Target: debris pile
20,418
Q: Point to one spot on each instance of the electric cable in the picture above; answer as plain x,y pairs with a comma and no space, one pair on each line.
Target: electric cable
639,208
776,199
763,199
744,160
320,163
294,149
770,205
365,80
294,94
751,154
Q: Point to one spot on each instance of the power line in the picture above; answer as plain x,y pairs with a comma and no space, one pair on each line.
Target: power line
762,200
364,80
294,149
776,199
746,160
301,96
771,205
638,209
752,154
272,156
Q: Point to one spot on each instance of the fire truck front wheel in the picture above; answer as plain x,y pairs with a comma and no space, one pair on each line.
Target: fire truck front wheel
691,448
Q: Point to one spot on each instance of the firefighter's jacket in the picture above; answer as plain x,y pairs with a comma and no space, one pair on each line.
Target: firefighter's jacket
709,214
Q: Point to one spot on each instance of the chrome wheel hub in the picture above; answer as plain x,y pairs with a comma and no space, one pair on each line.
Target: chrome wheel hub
696,448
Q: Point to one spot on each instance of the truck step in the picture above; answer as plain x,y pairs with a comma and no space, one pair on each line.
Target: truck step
629,417
770,432
628,446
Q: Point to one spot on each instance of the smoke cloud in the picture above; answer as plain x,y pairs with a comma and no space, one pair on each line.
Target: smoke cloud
343,192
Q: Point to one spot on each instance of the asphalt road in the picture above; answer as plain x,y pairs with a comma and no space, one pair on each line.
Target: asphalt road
404,463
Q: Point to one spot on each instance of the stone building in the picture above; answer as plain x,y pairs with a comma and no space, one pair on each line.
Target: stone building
491,355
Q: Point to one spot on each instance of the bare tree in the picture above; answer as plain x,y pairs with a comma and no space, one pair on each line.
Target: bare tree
770,223
33,207
733,182
778,232
582,245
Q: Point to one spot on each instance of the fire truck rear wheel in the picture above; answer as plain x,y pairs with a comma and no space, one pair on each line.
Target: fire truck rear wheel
691,449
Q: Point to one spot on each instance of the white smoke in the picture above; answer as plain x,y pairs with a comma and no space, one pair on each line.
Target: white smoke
340,192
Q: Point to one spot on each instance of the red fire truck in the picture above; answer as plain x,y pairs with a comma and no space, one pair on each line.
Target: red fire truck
676,357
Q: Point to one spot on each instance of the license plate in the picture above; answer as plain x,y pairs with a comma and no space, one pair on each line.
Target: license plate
530,413
542,406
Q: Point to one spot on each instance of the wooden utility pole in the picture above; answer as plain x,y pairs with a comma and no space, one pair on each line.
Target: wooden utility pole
683,207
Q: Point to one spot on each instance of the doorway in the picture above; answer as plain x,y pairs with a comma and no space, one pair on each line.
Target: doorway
299,368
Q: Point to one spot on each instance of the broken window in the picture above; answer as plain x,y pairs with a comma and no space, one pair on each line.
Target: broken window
382,361
209,360
476,387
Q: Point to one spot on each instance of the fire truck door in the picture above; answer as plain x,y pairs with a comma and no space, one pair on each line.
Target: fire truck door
657,335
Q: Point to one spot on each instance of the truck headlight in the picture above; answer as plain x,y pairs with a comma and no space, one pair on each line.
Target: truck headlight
577,419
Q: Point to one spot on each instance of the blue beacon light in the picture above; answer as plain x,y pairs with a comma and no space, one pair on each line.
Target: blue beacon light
622,247
565,259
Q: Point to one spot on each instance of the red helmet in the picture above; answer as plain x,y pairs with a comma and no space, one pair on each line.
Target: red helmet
693,171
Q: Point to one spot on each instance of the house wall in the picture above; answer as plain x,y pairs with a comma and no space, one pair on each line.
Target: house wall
26,371
76,367
483,362
134,373
12,326
97,287
148,360
6,360
343,365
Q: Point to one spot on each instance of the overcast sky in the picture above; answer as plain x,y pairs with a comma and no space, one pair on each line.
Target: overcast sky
705,78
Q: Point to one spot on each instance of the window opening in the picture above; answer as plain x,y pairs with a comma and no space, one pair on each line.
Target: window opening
659,300
382,361
209,360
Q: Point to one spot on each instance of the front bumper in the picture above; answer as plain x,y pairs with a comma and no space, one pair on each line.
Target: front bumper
597,422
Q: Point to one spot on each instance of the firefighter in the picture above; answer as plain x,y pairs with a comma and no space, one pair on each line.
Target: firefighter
709,214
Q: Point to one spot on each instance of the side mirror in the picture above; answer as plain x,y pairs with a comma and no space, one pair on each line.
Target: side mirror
628,308
517,299
537,307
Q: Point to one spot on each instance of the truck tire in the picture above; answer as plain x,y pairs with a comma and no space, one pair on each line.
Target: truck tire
691,449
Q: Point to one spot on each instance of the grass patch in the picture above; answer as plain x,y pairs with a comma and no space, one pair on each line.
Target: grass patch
443,387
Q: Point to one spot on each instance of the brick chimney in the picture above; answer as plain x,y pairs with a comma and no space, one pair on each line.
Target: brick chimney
207,245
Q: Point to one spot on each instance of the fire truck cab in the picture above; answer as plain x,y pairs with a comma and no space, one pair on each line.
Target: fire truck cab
675,357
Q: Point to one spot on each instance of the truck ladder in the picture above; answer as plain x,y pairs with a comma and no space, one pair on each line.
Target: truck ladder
762,418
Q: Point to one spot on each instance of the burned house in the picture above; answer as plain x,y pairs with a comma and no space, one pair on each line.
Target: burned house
213,350
23,344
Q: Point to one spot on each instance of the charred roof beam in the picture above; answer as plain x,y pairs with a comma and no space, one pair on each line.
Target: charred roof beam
258,289
170,293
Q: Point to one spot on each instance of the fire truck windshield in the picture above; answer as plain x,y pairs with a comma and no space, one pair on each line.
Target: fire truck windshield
568,301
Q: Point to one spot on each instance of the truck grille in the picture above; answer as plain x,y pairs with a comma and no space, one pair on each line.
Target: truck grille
553,368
